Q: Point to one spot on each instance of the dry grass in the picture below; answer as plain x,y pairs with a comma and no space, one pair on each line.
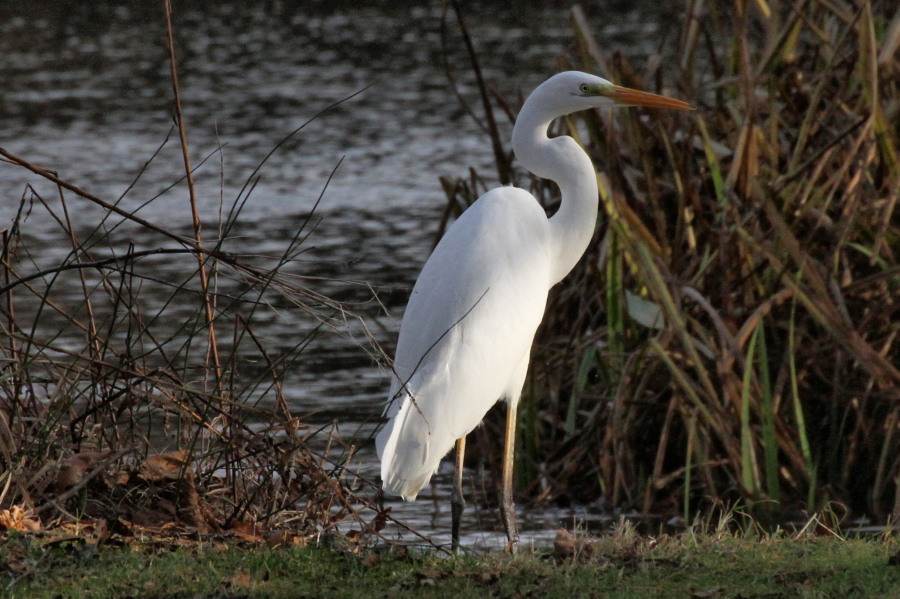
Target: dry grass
136,396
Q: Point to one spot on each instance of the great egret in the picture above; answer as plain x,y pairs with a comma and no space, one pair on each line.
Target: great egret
467,332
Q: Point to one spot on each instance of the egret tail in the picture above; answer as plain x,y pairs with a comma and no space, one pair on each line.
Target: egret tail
410,453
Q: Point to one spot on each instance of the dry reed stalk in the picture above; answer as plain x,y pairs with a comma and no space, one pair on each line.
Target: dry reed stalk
208,301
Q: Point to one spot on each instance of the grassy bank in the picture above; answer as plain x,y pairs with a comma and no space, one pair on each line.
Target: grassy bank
689,565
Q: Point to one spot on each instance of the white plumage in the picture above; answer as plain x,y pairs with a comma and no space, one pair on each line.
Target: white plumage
466,333
470,322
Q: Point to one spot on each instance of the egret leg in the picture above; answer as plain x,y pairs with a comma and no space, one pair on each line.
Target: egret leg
507,508
457,502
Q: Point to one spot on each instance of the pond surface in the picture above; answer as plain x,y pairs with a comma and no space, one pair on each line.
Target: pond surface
86,92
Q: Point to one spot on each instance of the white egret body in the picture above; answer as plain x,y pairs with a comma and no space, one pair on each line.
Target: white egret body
466,335
476,306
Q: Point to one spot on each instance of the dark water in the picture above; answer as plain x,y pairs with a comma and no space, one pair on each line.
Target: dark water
85,91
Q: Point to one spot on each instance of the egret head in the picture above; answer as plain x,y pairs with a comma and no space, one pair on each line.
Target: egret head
572,91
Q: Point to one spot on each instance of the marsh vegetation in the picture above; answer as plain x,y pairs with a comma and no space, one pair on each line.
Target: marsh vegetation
731,338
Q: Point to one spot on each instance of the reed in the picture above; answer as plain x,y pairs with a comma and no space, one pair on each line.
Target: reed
732,333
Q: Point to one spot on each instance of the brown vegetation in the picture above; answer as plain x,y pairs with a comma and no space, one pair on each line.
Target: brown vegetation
732,333
125,409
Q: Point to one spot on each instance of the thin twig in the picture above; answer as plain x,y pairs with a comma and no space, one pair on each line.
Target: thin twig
208,302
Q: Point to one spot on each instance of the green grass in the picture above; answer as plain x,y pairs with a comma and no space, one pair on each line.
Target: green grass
622,566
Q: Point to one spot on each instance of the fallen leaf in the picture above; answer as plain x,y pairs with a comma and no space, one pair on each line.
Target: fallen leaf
18,518
565,545
74,467
279,538
97,529
246,530
151,518
380,520
121,478
19,565
354,536
165,466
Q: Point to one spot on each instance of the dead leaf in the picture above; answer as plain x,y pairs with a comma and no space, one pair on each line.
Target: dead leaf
18,518
74,467
279,538
165,466
354,536
380,520
17,563
151,518
565,545
101,529
121,478
246,530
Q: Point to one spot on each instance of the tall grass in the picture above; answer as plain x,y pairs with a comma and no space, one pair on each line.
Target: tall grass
761,233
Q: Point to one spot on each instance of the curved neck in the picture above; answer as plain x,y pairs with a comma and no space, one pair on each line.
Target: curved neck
563,161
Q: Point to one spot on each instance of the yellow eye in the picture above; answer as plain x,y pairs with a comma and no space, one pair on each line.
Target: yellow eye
584,88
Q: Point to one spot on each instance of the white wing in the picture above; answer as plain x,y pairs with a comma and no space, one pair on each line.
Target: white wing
466,334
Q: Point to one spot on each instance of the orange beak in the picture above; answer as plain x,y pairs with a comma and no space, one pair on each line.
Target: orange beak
632,97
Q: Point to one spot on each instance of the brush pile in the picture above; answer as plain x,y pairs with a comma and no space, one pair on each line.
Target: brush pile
124,408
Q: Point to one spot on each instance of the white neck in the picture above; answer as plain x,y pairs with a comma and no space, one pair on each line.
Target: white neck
563,161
